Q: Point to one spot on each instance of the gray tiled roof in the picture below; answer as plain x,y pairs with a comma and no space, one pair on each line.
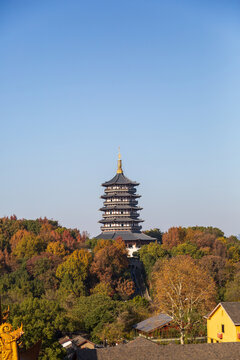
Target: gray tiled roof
153,323
125,235
233,310
120,179
143,349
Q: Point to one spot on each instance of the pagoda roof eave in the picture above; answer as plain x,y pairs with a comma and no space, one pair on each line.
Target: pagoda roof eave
126,235
120,179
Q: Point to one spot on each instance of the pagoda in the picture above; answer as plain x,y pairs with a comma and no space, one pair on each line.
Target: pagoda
121,212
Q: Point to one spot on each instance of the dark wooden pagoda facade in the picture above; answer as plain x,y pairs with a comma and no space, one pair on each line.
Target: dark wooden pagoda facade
121,211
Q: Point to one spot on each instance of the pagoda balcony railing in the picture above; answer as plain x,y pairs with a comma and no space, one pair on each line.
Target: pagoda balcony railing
121,228
120,197
130,191
121,207
132,202
134,216
117,195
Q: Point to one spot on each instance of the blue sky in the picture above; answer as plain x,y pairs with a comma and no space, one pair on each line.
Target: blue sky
160,79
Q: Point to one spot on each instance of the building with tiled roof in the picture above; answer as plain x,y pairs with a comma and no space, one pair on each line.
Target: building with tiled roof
148,326
143,349
223,323
121,212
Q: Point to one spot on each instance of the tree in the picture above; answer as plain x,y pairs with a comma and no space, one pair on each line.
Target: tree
25,244
44,320
42,269
94,311
110,262
182,290
126,315
4,261
199,237
112,333
155,233
103,288
125,288
173,237
74,271
101,243
218,268
233,289
149,254
187,248
234,254
56,248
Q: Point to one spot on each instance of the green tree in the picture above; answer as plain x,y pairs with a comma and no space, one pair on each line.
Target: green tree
233,289
155,233
94,311
187,249
149,254
43,320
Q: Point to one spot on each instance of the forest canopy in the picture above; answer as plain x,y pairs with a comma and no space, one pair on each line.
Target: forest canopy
57,281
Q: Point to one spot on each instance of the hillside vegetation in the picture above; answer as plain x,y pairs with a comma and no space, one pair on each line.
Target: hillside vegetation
57,281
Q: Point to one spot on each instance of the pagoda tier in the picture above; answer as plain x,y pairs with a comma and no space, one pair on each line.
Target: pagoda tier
120,220
120,194
120,207
121,214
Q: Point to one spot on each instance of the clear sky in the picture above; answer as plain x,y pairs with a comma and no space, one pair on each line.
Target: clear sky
159,78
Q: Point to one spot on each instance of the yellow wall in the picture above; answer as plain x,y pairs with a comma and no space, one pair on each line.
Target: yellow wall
214,326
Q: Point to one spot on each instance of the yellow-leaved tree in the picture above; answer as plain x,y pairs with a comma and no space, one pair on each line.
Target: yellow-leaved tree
74,271
56,248
182,289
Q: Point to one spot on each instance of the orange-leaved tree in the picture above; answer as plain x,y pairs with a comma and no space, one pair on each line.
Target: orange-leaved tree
125,288
173,237
183,289
110,261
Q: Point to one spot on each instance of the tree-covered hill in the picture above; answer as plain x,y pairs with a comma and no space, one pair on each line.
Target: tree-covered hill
57,281
47,271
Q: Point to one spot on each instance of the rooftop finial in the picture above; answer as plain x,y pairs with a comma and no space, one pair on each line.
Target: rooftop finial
119,170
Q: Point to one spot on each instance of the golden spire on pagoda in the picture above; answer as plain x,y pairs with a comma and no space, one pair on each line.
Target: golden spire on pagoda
119,170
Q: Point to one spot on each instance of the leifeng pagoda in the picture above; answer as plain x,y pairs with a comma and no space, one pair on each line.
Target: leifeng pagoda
121,212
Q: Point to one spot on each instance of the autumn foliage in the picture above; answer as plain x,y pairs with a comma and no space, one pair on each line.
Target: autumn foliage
86,284
46,266
110,261
173,237
182,289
